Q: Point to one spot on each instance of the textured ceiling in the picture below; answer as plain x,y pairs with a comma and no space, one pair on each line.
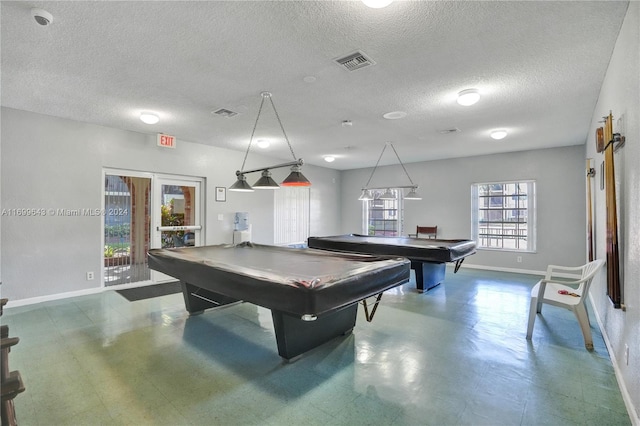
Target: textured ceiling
538,65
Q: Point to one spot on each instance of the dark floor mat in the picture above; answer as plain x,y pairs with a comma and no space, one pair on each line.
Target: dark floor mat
149,291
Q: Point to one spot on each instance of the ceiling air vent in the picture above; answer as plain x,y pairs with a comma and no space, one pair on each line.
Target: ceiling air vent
225,113
354,61
449,131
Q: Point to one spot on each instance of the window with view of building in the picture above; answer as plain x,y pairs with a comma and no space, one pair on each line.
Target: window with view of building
503,215
383,216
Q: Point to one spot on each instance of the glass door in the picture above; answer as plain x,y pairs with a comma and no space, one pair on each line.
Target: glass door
178,213
126,227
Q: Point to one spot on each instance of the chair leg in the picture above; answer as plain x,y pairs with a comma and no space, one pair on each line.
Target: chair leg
586,311
533,309
583,320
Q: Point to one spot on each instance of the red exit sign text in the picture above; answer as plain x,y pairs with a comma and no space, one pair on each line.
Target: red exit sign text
166,141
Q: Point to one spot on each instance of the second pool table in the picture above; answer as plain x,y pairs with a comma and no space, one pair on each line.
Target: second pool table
428,256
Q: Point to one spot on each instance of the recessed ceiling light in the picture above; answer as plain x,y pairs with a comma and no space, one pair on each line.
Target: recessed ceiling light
498,134
468,97
394,115
149,118
329,158
377,4
263,143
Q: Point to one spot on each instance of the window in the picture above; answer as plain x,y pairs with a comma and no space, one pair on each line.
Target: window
383,216
503,215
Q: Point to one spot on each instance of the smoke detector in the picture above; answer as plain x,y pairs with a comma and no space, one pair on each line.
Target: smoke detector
41,16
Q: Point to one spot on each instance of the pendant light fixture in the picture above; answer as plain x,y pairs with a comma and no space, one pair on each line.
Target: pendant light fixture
295,178
366,195
266,181
388,194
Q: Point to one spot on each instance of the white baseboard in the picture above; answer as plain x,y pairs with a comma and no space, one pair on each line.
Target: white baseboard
500,269
631,410
518,271
58,296
50,297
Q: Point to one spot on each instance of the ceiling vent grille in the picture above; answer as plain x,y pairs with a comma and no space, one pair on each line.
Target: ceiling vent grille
354,61
225,113
449,131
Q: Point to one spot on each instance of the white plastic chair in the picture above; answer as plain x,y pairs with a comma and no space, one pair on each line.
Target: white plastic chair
559,293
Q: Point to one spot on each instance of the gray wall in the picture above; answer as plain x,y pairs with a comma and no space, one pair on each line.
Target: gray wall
50,162
620,94
445,187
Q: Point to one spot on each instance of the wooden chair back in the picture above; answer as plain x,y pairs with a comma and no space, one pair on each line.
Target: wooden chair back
426,231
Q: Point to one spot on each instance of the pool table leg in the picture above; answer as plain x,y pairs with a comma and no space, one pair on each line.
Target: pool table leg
295,336
428,274
197,299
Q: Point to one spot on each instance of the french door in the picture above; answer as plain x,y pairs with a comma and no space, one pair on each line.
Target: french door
143,211
177,215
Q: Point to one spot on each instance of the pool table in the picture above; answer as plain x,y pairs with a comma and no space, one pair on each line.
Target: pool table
313,295
428,256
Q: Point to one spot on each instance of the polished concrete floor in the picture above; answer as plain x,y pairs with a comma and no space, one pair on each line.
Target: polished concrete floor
456,355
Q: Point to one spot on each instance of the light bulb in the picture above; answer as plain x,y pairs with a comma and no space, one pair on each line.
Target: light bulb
149,118
499,134
468,97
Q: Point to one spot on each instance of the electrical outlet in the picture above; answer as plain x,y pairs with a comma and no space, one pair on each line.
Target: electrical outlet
519,259
626,354
89,276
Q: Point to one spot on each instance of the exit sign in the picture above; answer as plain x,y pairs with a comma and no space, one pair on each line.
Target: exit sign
166,141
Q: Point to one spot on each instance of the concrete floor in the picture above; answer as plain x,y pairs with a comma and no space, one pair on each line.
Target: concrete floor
456,355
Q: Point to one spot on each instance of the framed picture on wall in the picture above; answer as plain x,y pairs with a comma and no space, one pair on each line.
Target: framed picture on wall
221,193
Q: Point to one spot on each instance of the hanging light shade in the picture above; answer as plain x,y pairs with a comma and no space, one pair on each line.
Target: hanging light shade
266,181
413,195
241,185
366,195
388,195
296,178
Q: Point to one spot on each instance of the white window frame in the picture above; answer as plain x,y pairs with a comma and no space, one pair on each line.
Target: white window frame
366,208
484,241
